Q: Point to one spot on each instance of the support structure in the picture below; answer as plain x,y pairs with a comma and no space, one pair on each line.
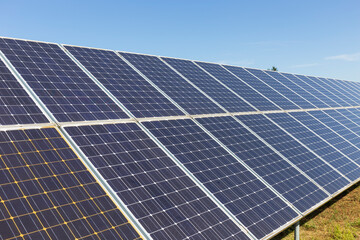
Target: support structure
297,231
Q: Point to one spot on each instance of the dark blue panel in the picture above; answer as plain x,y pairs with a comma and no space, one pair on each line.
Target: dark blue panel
294,86
64,88
16,106
353,116
182,92
254,204
238,86
209,85
47,193
289,182
327,152
132,90
338,91
160,195
281,87
320,92
318,99
261,87
347,90
303,158
335,133
326,90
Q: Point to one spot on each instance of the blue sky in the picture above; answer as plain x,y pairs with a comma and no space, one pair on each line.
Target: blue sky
319,38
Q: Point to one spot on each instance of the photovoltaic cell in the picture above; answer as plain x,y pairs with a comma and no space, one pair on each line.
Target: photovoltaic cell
318,91
349,119
295,152
238,86
338,91
319,99
257,84
283,177
160,195
132,90
47,193
209,85
63,87
324,126
348,90
325,89
283,89
316,144
245,196
16,106
182,92
311,100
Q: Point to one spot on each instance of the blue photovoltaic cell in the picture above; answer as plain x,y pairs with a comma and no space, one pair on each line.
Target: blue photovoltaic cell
209,85
132,90
238,86
350,119
160,195
16,106
281,88
290,148
339,91
311,100
47,193
327,152
320,92
333,132
319,99
325,89
283,177
257,84
245,196
347,90
177,88
63,87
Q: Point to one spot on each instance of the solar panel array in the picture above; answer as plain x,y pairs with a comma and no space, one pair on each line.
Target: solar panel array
99,144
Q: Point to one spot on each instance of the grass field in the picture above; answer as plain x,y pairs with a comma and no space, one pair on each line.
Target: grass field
339,219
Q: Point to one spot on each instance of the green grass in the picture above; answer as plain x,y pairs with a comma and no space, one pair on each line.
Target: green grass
339,219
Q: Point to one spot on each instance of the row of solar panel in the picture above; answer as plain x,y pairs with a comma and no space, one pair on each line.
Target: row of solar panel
194,179
201,179
147,86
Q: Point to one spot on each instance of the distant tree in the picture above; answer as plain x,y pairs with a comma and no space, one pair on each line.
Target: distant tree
273,69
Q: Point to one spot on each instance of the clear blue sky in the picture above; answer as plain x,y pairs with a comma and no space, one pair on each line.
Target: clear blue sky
315,37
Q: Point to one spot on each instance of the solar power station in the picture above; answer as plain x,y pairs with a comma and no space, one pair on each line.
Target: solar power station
102,144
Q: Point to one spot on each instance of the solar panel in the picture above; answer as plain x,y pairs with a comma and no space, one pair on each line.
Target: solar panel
298,154
339,91
160,195
238,86
62,86
281,175
282,89
311,100
318,99
243,194
182,92
264,89
16,106
132,90
319,91
325,89
327,152
347,90
47,193
332,132
349,119
209,85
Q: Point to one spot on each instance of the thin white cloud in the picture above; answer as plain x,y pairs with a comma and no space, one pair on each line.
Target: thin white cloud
345,57
306,65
